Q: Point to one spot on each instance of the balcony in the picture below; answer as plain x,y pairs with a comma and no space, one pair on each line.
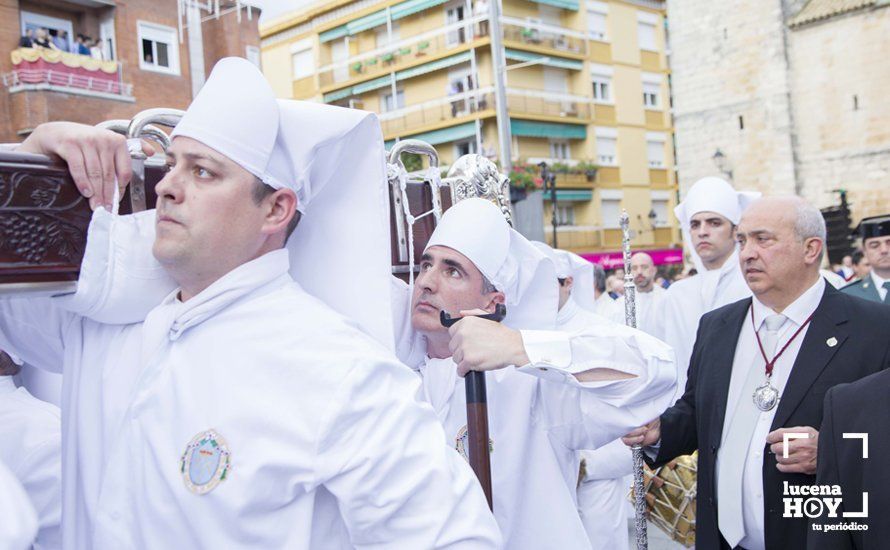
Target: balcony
402,54
548,104
64,72
541,37
456,108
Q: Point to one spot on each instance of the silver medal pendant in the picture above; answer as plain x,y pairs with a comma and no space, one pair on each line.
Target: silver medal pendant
766,396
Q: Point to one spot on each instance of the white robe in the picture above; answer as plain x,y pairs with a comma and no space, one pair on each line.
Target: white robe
540,416
612,310
31,447
18,521
329,447
646,307
685,301
601,494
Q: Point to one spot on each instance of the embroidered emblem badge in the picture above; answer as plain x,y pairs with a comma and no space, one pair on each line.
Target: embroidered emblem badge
831,342
462,443
205,462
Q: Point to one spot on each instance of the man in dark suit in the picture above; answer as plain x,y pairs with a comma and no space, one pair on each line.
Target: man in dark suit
860,407
760,368
875,234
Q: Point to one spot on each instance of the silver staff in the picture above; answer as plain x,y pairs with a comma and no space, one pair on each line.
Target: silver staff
630,319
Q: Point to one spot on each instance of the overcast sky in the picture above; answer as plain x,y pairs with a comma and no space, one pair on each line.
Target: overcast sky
274,8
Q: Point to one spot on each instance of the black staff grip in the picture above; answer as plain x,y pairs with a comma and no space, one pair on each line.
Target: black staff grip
500,311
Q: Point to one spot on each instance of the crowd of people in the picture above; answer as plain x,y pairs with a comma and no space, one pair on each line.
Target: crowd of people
58,40
242,370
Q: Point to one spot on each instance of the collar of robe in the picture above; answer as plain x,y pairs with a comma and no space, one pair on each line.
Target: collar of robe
7,384
173,317
567,312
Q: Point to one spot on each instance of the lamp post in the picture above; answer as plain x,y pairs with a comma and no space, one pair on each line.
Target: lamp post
548,179
722,163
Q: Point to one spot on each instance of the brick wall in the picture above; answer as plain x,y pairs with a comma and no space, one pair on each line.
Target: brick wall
22,111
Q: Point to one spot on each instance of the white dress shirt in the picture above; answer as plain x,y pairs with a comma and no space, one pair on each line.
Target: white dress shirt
746,351
879,285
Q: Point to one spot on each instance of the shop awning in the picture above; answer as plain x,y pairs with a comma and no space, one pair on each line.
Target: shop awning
444,135
572,195
379,18
564,4
532,128
552,61
433,66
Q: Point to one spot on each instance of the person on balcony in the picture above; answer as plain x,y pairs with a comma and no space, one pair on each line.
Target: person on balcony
43,41
61,41
27,40
96,50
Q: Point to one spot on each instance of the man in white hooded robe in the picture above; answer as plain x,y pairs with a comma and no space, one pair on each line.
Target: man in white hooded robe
708,217
550,393
258,405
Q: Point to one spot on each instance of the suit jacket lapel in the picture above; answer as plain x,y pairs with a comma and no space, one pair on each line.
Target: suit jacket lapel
828,322
722,360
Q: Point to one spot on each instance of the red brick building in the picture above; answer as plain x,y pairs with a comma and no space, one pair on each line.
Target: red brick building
154,53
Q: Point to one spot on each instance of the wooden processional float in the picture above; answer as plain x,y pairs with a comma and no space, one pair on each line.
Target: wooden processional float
44,221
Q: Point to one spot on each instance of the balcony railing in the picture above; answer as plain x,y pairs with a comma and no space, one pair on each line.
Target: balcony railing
24,79
436,111
543,35
538,102
400,53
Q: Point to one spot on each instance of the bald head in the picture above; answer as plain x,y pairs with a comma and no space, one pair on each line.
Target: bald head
781,245
642,267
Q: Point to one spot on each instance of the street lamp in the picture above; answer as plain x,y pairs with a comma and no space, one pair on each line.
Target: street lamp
721,163
548,180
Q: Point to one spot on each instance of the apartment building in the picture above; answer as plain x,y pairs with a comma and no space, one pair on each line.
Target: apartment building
153,53
586,88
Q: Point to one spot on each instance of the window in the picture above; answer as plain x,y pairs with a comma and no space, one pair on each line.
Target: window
303,63
565,213
646,24
559,149
601,80
610,209
655,150
158,48
596,20
252,54
455,14
386,103
464,147
607,146
36,21
383,37
650,95
660,207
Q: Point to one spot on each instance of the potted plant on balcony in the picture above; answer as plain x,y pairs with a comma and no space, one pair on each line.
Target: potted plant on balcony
356,67
587,168
561,168
404,51
421,47
388,58
370,62
525,176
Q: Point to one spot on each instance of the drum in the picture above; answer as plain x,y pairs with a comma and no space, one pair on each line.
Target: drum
670,498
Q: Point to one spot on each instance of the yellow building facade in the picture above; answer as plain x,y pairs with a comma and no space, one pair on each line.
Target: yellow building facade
586,87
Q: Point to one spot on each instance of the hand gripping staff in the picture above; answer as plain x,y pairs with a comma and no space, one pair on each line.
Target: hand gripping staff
478,450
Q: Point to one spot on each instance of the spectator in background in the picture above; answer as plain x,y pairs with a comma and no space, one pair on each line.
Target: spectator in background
846,268
96,50
27,40
43,41
61,41
861,267
82,48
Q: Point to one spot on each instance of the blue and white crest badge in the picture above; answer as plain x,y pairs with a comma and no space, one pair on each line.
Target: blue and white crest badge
205,462
462,443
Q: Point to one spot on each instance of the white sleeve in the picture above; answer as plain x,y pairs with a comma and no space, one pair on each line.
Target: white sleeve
383,456
35,329
588,415
19,525
611,461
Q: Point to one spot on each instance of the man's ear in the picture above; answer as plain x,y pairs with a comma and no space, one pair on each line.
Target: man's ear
569,282
281,208
494,299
